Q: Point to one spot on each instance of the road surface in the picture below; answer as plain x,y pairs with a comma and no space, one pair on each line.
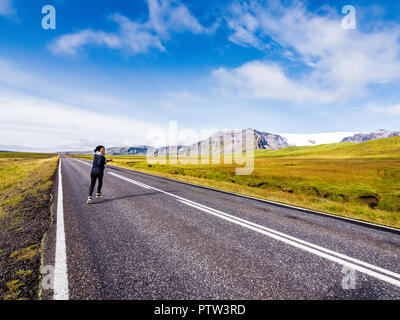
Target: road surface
152,238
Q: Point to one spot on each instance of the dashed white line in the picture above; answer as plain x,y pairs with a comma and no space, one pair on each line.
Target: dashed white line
61,291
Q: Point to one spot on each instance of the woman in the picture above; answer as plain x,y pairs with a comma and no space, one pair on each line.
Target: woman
97,173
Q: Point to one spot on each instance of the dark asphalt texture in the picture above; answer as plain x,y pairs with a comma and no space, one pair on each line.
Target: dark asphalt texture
144,244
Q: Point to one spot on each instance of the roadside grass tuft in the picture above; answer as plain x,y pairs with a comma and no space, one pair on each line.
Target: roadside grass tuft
26,253
23,273
13,289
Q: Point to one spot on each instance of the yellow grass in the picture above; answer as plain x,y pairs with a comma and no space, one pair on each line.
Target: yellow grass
24,175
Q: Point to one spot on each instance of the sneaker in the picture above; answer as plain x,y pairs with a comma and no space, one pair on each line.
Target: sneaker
89,200
98,196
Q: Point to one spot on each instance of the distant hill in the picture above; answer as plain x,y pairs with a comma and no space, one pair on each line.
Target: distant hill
380,134
130,151
381,148
219,143
235,140
267,143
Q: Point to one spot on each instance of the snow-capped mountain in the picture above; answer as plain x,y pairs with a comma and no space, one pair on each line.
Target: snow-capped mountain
299,139
380,134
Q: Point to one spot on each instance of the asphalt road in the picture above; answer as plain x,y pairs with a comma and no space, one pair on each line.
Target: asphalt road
150,238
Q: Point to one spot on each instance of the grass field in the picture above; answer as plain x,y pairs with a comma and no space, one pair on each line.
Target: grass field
23,174
360,181
25,187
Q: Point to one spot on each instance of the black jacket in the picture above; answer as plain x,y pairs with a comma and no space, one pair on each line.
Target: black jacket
99,162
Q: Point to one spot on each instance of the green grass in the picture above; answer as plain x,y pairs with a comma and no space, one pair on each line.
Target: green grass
359,181
26,155
377,149
25,186
23,174
25,253
13,289
23,273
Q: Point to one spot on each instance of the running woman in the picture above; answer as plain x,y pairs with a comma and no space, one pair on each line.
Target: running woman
97,173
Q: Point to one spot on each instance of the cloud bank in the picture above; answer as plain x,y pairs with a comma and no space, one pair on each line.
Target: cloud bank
339,64
165,19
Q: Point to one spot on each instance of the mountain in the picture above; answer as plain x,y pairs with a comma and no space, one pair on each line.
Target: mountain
380,134
224,142
219,143
130,151
235,140
381,148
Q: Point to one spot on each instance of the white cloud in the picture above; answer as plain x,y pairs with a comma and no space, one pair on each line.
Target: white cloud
341,62
136,37
39,114
47,85
45,124
244,26
393,110
6,8
70,43
262,80
165,17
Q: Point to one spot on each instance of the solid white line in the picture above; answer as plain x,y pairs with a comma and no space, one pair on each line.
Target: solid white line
365,264
60,269
88,164
317,212
129,180
301,246
298,243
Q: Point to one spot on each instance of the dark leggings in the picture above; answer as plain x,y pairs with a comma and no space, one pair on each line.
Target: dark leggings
94,175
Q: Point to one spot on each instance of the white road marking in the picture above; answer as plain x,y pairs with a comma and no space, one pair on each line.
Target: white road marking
60,269
365,264
88,164
336,257
309,247
130,180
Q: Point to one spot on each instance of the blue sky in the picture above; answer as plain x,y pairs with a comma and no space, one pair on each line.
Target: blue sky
112,71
